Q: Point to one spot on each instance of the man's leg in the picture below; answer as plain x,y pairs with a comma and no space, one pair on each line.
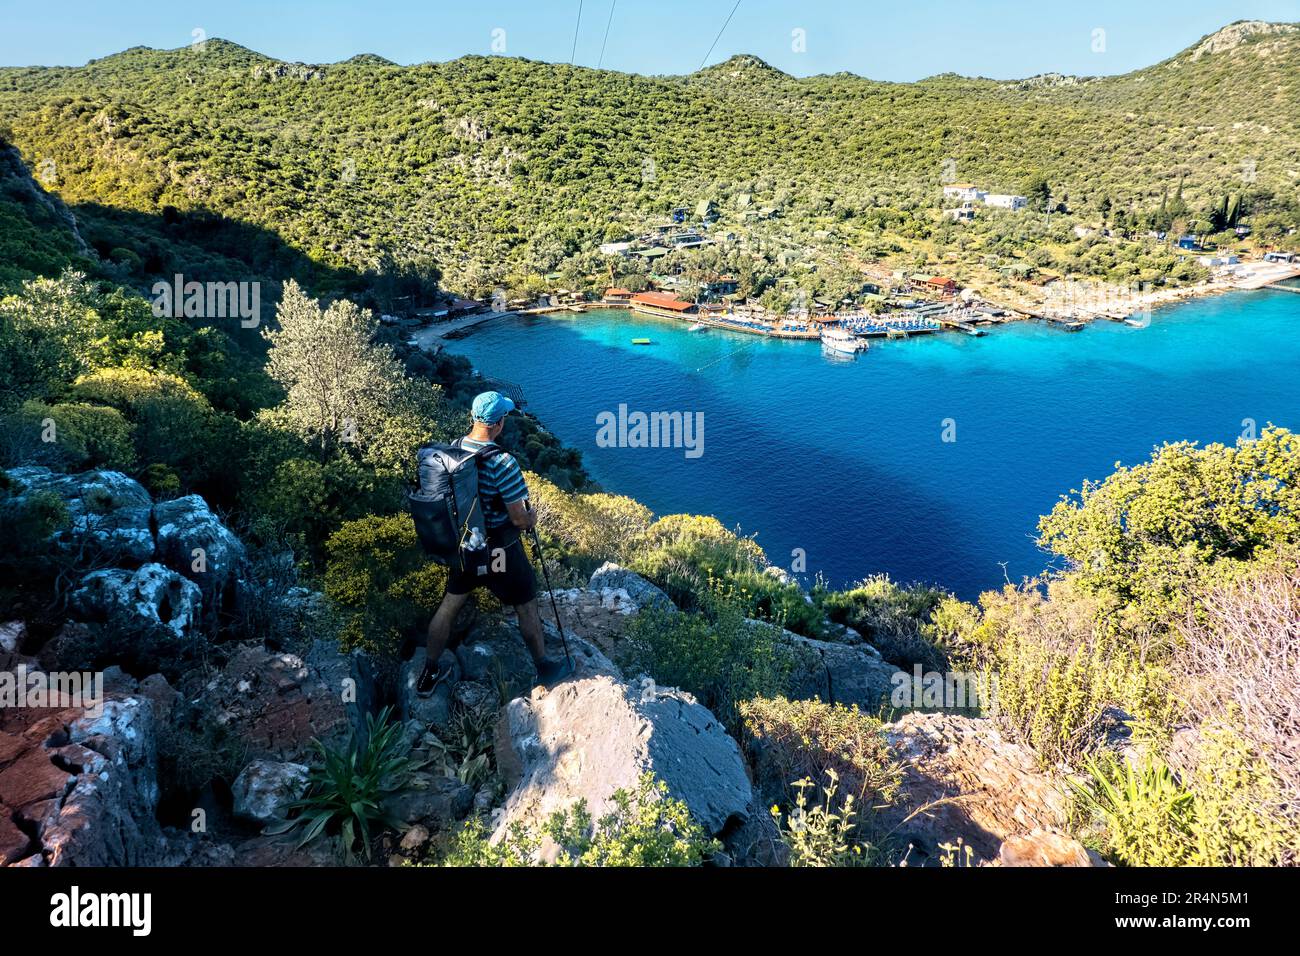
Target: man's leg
530,626
440,625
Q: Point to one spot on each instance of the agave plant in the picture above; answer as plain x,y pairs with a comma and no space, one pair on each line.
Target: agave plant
345,790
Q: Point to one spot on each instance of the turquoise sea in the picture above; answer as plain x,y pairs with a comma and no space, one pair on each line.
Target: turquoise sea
846,459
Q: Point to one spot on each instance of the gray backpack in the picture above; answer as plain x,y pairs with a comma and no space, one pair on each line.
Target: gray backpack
446,507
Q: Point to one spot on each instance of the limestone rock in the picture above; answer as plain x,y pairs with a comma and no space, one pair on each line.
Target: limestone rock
186,525
151,596
78,788
1046,848
275,704
962,778
433,800
264,789
645,594
589,737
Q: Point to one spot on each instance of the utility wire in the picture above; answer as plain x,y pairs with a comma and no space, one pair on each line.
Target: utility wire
719,36
574,54
606,40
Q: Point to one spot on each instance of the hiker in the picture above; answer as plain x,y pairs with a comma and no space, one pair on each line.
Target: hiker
507,573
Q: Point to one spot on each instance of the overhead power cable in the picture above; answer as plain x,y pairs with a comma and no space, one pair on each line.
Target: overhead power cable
719,36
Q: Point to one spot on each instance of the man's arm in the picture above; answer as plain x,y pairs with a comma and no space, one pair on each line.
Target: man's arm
514,493
522,516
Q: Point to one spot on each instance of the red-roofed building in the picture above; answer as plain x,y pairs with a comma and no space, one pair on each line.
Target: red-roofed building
942,284
661,303
617,295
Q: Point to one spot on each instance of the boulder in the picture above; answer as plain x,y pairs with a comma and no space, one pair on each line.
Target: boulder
275,704
589,737
151,596
962,778
839,673
495,654
264,789
192,540
79,788
1046,848
600,615
645,594
109,513
430,799
434,710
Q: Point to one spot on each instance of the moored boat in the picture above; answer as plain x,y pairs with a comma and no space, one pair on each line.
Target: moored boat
842,341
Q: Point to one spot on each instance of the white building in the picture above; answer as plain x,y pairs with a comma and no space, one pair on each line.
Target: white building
615,248
967,192
1003,201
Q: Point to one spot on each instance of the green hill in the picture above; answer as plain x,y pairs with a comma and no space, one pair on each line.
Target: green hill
496,171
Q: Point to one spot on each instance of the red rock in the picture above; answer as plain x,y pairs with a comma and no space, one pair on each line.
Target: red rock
30,778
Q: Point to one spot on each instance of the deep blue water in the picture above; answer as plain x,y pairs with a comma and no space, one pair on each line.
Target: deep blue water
846,459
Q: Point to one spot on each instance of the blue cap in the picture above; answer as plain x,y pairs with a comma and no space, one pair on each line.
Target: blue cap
490,407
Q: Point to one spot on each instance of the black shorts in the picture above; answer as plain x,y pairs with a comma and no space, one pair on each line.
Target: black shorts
509,574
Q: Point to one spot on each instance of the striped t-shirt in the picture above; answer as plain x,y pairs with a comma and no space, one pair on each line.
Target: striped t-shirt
500,483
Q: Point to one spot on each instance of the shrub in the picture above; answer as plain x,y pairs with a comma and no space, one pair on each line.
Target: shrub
84,436
809,740
1057,669
346,789
896,620
1145,539
380,581
683,554
1240,655
1225,812
721,658
174,425
645,827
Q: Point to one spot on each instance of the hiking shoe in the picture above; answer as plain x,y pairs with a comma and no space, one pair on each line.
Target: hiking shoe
551,672
430,678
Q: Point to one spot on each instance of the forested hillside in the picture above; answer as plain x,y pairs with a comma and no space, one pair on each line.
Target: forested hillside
496,172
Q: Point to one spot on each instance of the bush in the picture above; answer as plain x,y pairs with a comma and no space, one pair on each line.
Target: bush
1241,655
1056,669
646,827
1226,812
380,582
896,620
84,436
174,425
1147,538
721,658
809,739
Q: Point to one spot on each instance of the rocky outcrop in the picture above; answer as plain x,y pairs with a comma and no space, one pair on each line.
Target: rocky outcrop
275,704
191,539
646,595
589,737
79,789
842,673
962,778
113,521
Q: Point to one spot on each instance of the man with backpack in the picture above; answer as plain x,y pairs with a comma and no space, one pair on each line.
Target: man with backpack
477,531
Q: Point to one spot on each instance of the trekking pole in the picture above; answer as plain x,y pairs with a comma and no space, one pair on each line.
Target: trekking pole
541,559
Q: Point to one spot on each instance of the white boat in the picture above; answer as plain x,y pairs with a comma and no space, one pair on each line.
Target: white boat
842,341
697,326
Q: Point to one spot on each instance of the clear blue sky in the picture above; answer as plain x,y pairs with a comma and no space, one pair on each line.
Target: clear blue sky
894,40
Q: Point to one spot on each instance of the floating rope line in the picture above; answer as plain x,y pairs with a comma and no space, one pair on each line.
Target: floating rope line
743,348
719,36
